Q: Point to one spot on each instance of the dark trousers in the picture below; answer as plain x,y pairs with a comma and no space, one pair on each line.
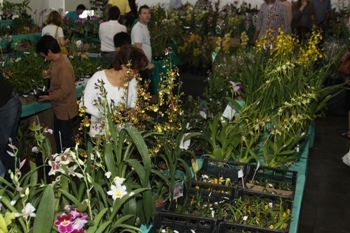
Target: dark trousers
63,132
9,118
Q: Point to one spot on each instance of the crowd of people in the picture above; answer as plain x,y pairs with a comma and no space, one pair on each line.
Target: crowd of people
116,50
300,17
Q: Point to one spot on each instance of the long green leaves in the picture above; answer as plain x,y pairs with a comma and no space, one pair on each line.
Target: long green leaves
45,215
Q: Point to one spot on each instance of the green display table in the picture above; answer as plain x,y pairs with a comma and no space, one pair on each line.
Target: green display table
36,107
162,68
20,37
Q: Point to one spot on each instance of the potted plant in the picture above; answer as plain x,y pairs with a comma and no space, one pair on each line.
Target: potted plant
67,26
7,9
93,25
24,77
165,31
22,25
80,27
22,8
206,56
194,48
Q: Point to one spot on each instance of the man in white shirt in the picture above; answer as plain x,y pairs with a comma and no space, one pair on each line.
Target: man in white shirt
140,34
106,33
141,39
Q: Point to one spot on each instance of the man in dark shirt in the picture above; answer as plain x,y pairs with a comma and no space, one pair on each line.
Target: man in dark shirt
10,112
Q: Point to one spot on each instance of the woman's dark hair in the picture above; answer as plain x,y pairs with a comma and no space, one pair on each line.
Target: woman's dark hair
47,43
121,38
143,7
129,53
55,18
81,7
113,13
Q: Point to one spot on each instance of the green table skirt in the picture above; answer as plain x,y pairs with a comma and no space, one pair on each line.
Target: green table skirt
36,107
162,68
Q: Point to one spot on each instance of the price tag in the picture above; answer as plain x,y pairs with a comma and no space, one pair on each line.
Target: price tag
185,144
229,112
195,166
240,174
203,114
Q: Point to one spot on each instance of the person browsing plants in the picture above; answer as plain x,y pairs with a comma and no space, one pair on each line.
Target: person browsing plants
117,84
62,92
54,27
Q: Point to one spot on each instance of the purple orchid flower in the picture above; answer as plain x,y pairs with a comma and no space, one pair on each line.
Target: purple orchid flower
236,86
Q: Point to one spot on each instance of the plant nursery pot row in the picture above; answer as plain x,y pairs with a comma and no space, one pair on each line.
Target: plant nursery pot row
222,173
185,217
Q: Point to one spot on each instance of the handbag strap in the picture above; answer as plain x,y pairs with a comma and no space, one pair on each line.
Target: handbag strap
56,34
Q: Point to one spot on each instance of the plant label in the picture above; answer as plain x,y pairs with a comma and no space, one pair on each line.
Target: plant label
195,165
185,144
229,112
240,174
178,190
203,114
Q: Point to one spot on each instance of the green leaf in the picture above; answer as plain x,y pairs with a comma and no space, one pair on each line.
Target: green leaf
143,150
7,203
103,226
120,202
148,205
125,227
45,215
109,159
34,175
97,220
122,219
69,196
139,169
100,191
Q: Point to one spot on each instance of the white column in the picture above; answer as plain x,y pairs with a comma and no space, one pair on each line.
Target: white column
58,5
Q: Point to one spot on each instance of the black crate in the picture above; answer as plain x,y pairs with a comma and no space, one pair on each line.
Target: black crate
183,223
265,199
230,227
274,176
211,192
222,168
216,169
